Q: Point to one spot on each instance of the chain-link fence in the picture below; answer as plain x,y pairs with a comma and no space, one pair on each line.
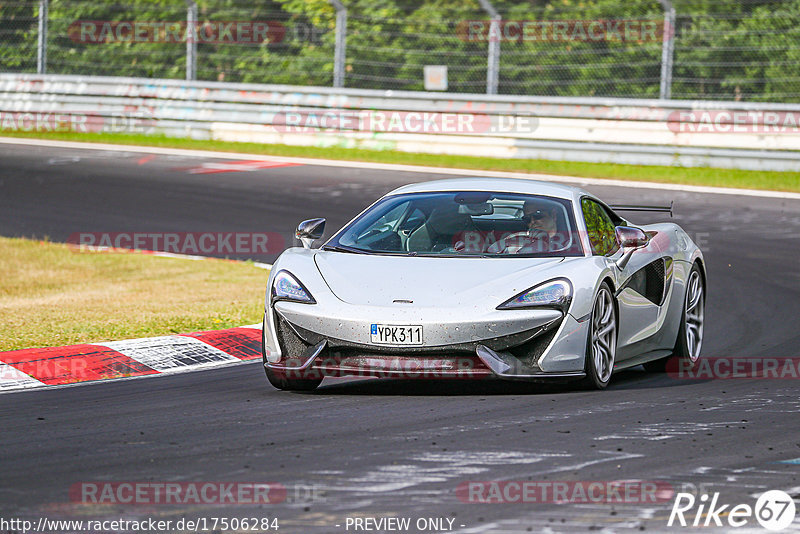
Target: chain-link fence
18,33
688,49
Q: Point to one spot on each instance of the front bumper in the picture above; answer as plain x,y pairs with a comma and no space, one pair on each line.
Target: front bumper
518,344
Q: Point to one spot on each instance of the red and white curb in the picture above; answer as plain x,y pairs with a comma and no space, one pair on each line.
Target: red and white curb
74,364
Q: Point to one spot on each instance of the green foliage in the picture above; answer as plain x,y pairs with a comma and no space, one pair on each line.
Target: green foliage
740,51
18,30
744,50
583,67
599,227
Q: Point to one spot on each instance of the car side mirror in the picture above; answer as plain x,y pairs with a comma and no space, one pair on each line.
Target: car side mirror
629,238
309,231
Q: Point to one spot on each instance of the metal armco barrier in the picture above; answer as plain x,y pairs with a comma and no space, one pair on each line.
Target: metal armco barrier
650,132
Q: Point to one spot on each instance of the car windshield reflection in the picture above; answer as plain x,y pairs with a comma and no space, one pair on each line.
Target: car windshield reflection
466,223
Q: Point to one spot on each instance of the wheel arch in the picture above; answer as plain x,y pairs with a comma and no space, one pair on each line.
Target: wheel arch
701,263
607,279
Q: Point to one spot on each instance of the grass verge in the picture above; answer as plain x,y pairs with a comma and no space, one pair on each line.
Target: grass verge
51,295
706,176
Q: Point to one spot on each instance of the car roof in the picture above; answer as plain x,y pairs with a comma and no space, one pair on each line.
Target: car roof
504,185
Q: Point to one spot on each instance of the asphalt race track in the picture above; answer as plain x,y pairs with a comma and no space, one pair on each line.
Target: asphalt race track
392,448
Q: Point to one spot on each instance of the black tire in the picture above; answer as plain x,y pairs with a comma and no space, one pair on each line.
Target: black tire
279,379
596,377
682,351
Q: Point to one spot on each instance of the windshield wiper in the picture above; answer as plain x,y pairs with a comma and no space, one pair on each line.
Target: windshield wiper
336,248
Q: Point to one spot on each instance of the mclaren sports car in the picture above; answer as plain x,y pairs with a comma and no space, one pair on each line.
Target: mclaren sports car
481,278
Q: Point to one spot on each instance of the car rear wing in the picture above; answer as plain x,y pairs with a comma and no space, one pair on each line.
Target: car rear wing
631,207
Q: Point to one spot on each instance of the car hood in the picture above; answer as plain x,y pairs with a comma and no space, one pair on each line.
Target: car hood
382,280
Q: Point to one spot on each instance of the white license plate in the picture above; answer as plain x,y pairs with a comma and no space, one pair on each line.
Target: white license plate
388,334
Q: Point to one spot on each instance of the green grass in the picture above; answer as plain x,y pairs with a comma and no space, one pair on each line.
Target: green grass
706,176
52,295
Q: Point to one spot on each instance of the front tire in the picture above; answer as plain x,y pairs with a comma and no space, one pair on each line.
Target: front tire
601,349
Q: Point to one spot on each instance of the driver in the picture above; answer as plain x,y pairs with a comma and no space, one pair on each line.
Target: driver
540,217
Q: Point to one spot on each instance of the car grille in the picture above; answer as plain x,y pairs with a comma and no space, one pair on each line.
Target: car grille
527,346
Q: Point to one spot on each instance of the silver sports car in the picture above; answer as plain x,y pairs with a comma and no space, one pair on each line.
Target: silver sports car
483,278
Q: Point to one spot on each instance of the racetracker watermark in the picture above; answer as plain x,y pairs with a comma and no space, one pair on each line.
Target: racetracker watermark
188,243
335,120
564,31
409,367
726,121
525,242
136,122
562,492
77,369
177,493
722,368
208,32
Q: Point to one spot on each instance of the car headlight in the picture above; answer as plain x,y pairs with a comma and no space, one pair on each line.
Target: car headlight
553,294
287,287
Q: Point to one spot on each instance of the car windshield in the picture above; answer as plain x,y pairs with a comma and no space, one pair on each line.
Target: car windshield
466,223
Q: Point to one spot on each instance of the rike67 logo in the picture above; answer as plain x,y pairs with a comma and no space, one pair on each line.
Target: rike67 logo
774,510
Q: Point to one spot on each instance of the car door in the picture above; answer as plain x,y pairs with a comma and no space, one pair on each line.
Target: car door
636,284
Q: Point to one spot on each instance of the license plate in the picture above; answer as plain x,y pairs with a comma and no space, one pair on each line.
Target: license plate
387,334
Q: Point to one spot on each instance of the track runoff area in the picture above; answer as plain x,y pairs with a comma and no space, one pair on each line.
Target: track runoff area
220,450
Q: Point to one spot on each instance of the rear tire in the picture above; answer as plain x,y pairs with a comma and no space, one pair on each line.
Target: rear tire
601,347
279,379
690,333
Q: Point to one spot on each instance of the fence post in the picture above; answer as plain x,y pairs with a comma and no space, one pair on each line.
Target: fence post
191,40
667,50
493,66
340,49
41,50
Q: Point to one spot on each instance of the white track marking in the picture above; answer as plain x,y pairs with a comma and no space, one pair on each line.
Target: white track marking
162,254
13,378
404,168
662,431
171,353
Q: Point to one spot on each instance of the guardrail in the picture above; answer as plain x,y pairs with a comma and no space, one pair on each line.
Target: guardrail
655,132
